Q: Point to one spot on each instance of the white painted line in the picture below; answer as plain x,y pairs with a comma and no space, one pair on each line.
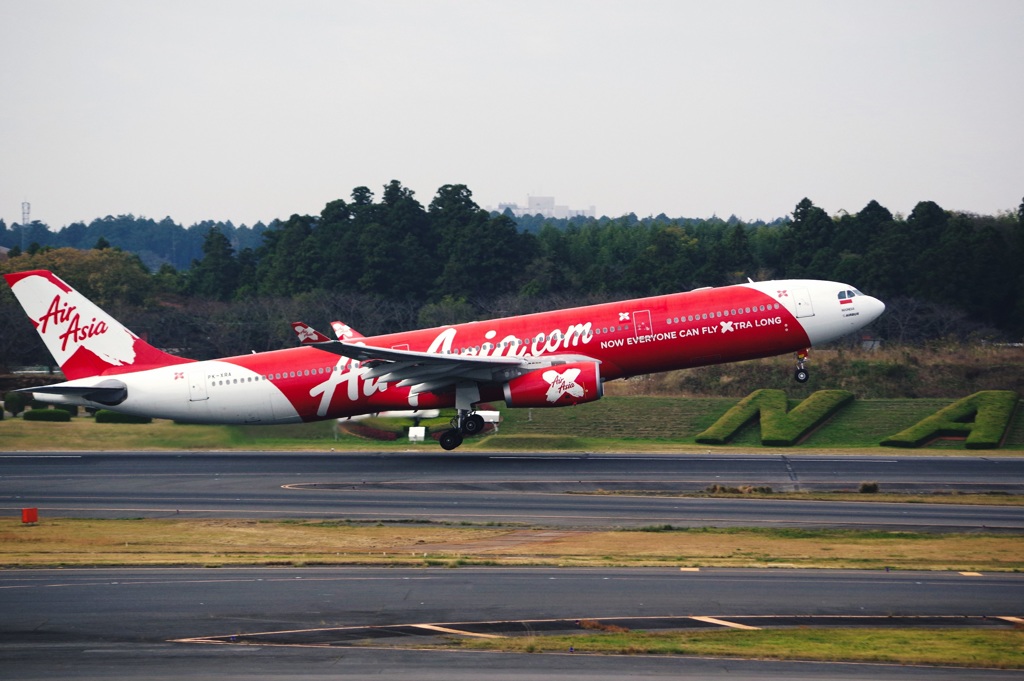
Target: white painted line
725,623
446,630
686,569
971,574
1015,620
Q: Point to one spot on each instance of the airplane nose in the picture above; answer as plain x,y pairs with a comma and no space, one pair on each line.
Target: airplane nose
875,308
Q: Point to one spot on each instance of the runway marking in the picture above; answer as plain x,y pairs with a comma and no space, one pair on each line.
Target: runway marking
689,569
446,630
348,635
724,623
971,574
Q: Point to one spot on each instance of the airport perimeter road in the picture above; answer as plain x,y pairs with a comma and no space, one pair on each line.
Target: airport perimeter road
535,489
120,624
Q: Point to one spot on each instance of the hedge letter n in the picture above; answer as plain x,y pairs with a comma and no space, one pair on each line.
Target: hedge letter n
778,428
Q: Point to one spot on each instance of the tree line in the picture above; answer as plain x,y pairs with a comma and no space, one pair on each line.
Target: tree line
392,263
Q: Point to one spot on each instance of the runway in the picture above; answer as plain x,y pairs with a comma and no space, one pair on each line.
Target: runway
550,490
91,624
129,623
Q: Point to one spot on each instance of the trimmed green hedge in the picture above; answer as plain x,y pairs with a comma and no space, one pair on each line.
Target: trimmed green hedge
981,418
15,402
779,428
69,408
107,416
47,415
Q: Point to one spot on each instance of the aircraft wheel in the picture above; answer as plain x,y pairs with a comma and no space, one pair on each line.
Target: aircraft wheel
801,375
450,439
473,424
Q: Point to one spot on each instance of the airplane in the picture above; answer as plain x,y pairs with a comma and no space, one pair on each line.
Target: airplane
547,359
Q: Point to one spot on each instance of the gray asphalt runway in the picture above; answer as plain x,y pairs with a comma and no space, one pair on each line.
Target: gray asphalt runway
121,624
535,489
89,624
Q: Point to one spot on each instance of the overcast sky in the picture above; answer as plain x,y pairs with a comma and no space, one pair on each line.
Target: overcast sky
252,110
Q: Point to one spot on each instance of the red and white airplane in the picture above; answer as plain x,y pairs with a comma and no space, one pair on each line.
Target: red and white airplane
548,359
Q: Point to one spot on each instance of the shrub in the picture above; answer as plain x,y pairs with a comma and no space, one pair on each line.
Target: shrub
868,488
779,428
981,418
69,408
107,416
47,415
38,404
15,402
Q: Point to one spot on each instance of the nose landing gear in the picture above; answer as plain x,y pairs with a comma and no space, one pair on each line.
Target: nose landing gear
801,374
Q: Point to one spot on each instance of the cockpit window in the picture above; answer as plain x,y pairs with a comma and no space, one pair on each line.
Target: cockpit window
843,295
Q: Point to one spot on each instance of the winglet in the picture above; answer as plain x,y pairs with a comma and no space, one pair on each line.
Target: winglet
345,332
308,335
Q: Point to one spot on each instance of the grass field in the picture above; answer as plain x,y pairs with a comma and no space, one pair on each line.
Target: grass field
960,648
615,423
77,542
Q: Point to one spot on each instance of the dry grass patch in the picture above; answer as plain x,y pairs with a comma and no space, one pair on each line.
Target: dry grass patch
802,548
220,542
251,542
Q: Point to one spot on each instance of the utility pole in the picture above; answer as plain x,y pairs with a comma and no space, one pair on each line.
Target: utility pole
26,212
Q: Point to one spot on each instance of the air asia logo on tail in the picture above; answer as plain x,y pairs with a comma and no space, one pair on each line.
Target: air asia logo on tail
64,313
71,325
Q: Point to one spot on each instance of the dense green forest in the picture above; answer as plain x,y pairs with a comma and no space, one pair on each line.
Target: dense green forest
393,263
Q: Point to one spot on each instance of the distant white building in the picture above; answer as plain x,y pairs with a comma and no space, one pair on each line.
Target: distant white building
545,206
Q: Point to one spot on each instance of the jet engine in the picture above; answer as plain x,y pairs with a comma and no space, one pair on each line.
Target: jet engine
556,386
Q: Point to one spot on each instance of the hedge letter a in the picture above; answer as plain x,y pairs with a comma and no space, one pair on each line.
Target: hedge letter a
982,417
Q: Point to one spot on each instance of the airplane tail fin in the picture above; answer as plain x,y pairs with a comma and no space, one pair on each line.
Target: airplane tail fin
344,332
307,334
83,339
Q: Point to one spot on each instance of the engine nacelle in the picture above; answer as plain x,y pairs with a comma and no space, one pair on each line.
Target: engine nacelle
556,386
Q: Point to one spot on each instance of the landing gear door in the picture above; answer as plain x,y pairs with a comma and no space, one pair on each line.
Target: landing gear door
803,303
197,387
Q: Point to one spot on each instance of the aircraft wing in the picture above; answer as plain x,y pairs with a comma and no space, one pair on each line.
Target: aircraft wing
425,371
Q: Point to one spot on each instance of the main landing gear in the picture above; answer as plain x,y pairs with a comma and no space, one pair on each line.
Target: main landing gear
464,423
801,374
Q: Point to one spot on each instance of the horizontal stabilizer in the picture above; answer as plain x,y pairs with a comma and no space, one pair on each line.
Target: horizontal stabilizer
109,392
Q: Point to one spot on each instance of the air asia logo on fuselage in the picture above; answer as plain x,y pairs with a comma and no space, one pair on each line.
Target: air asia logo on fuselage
515,345
63,312
562,384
